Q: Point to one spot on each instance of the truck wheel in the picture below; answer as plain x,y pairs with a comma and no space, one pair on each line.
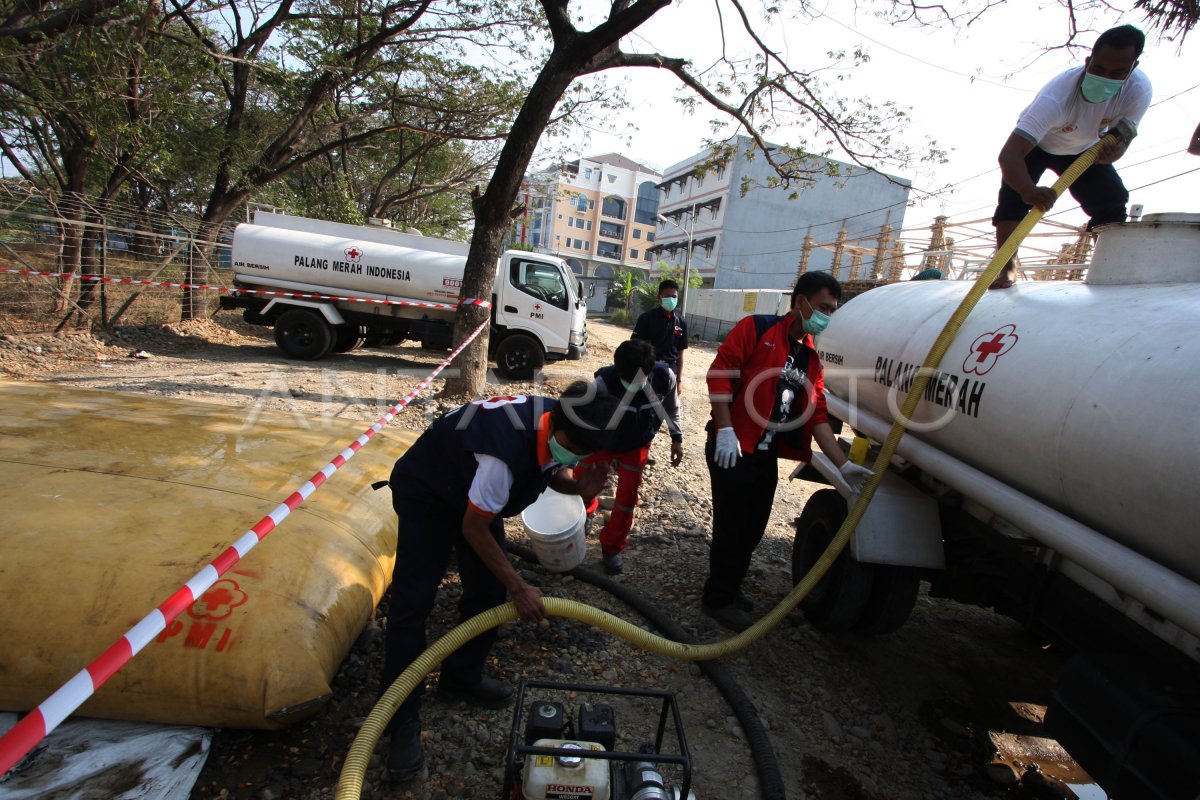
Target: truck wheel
519,357
346,338
893,595
303,335
837,602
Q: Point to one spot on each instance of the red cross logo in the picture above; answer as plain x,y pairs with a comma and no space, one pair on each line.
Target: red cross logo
219,601
353,253
537,306
988,348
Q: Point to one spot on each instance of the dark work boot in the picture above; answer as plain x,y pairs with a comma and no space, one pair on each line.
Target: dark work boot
613,564
729,617
488,693
406,758
744,603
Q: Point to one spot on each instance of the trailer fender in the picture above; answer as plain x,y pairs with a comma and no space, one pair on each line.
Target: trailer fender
901,525
328,310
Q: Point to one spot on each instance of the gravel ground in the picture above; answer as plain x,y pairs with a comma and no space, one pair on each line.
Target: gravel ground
904,716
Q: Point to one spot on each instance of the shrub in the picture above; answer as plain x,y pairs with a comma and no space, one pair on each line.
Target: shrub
621,317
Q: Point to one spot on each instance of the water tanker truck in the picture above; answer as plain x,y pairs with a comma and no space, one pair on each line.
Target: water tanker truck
376,286
1049,472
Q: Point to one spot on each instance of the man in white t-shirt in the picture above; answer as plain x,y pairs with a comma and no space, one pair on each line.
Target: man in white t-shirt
1070,114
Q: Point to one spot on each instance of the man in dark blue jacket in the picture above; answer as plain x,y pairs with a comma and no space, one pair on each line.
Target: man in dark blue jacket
648,396
472,468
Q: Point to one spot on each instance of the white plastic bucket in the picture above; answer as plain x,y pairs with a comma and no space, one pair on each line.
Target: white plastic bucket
555,524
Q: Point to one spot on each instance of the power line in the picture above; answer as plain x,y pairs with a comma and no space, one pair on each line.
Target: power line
921,60
1172,97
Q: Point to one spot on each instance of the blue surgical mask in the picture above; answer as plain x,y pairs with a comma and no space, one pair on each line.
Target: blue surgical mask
669,303
817,322
1097,90
633,387
561,454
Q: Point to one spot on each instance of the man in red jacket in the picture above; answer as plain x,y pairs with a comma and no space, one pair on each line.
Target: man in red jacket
767,390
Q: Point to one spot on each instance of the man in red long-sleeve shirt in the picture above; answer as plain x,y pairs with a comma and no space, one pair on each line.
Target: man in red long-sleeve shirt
767,390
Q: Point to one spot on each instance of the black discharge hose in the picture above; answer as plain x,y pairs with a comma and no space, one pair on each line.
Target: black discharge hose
770,779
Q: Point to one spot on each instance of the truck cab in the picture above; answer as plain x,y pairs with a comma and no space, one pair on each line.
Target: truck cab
539,313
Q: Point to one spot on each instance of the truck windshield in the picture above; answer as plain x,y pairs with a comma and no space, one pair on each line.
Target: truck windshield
543,281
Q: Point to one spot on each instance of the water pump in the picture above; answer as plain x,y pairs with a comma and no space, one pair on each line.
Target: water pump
562,753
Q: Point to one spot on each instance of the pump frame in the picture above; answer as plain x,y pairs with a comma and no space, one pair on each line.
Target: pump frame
670,706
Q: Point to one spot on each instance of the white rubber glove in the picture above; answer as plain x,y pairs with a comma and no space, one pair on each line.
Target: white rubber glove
856,476
727,448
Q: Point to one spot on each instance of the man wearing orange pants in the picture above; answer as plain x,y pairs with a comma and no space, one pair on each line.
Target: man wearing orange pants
648,395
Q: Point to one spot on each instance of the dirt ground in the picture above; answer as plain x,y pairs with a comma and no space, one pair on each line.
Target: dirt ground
904,716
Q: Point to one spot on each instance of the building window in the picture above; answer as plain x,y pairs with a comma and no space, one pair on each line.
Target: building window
699,180
612,178
611,230
587,172
613,207
647,203
649,236
570,222
637,234
589,224
720,171
560,216
608,250
587,246
633,254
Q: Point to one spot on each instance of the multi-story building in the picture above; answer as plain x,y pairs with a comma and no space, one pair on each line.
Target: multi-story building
597,213
747,234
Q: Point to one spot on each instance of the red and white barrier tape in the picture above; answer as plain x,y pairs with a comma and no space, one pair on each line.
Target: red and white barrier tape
467,301
37,724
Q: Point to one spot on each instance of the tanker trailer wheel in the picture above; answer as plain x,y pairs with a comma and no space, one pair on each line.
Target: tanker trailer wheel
893,595
347,338
303,335
836,604
519,357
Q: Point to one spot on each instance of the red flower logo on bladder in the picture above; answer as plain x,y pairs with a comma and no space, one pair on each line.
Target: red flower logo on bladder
353,253
219,601
988,348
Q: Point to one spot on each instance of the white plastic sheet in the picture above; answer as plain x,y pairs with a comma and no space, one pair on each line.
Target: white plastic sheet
109,760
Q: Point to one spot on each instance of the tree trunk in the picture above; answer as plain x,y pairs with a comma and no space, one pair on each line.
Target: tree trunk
492,220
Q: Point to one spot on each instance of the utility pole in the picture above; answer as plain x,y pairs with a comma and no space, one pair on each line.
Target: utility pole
687,256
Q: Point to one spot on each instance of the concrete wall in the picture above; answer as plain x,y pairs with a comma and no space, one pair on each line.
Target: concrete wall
712,312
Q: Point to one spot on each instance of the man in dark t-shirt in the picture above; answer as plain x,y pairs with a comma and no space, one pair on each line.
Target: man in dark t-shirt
666,329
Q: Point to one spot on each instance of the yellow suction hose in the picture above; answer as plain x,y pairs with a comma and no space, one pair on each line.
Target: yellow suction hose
354,769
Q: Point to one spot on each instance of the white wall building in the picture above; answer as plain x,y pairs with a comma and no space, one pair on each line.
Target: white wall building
754,240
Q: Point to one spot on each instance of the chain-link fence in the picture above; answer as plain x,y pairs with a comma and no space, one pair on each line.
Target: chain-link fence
89,249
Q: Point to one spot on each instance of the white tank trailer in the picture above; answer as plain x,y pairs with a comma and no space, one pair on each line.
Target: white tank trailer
1051,472
339,286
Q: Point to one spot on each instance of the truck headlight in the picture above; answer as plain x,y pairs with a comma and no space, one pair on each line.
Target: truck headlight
577,337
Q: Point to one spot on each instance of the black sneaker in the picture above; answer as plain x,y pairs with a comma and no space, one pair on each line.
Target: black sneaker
744,603
613,565
406,758
729,617
488,693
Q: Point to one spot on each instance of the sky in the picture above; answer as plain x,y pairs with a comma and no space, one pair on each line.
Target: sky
964,87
